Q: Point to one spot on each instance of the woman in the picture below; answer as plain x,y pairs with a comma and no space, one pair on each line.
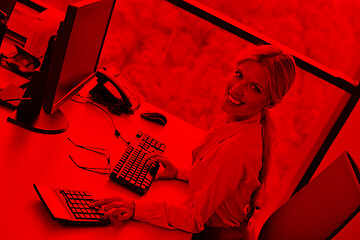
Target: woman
231,162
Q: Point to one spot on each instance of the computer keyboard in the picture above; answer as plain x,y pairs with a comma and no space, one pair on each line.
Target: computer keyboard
71,205
131,170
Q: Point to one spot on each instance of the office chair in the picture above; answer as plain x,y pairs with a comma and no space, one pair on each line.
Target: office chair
321,208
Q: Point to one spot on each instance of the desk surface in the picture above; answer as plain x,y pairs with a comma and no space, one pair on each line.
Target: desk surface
28,157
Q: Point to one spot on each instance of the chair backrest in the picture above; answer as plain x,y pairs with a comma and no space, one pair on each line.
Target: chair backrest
321,208
7,7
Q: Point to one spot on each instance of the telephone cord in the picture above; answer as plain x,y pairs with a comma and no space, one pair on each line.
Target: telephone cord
117,133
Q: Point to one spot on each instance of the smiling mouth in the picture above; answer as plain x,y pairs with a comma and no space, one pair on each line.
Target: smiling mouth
233,100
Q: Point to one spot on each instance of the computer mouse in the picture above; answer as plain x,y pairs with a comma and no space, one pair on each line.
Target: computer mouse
154,117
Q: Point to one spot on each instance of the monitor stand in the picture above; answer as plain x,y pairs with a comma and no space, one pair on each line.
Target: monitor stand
42,123
30,114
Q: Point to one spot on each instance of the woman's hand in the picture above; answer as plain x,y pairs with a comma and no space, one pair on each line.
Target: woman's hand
170,171
116,208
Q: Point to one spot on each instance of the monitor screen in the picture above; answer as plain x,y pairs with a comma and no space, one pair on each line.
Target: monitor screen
77,50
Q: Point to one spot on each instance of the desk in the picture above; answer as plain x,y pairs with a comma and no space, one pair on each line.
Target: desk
27,157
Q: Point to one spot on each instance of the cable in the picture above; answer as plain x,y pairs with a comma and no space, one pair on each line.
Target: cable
105,170
117,133
91,169
93,149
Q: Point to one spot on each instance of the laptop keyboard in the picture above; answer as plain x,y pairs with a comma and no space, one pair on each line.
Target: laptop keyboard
78,202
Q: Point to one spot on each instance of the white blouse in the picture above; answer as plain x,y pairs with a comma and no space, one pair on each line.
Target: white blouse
223,176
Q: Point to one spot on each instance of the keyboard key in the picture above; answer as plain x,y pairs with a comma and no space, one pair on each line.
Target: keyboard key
162,147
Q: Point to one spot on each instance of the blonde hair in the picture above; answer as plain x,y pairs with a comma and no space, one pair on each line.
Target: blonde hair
280,70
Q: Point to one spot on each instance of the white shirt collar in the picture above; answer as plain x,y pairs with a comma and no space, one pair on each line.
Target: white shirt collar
227,130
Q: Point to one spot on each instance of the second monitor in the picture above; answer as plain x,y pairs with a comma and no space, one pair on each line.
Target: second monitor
69,63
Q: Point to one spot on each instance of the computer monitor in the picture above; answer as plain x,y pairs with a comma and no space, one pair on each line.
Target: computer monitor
80,39
69,63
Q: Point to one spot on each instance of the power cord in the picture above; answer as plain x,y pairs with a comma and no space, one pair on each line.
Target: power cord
117,133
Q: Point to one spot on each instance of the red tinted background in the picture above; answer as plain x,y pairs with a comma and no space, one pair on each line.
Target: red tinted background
180,62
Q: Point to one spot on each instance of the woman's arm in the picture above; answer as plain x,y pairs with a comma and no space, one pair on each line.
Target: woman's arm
170,171
169,216
203,202
183,174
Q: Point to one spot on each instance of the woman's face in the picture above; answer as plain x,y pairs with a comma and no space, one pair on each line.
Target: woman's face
247,92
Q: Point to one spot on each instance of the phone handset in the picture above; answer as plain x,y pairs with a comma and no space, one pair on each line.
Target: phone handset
114,91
